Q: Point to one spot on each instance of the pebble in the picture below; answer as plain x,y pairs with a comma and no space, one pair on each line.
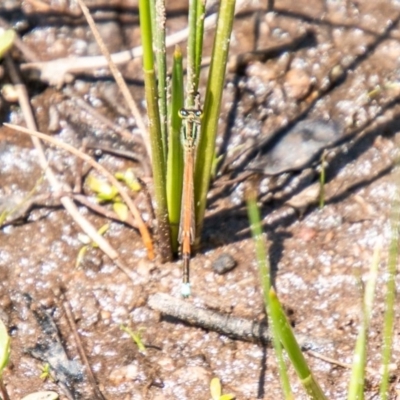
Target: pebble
297,84
298,147
127,373
224,263
44,395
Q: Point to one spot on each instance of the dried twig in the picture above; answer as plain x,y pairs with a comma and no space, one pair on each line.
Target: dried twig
118,78
82,354
331,360
135,212
74,65
238,328
80,198
100,117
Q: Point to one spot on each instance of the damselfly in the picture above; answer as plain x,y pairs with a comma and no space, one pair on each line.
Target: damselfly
191,120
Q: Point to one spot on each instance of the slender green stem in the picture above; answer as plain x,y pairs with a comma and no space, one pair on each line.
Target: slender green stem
212,105
292,348
200,14
259,239
264,271
158,18
390,294
6,41
191,55
356,386
159,162
322,179
175,152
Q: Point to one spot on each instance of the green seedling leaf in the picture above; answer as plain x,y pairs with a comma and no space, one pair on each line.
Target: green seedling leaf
136,337
215,388
130,180
3,217
391,85
375,92
121,210
6,41
216,391
88,244
285,333
228,396
8,211
322,180
45,372
357,381
44,395
10,93
101,231
104,191
81,255
215,163
4,347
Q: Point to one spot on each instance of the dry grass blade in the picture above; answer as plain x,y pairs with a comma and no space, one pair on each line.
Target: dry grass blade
56,72
118,77
71,321
135,212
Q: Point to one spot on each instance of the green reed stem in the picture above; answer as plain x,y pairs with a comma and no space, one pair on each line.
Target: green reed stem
212,105
175,151
159,162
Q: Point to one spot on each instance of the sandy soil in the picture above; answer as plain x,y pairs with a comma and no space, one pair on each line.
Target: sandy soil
332,60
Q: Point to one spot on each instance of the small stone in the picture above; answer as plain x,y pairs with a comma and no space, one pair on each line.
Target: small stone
297,84
262,71
127,373
224,263
45,395
307,234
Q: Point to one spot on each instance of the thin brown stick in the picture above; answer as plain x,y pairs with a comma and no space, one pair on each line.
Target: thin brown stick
81,350
72,65
331,360
80,198
3,390
230,325
118,78
101,118
132,208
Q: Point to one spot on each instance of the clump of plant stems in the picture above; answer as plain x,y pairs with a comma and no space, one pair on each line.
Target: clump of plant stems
163,110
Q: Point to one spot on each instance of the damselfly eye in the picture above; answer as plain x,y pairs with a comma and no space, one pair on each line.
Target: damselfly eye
183,113
199,113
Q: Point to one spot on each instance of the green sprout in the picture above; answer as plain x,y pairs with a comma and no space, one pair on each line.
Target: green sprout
88,244
5,350
129,178
106,193
9,211
6,41
322,180
136,337
45,372
216,391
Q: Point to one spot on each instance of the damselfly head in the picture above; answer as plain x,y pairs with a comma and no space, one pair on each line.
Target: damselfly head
194,114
